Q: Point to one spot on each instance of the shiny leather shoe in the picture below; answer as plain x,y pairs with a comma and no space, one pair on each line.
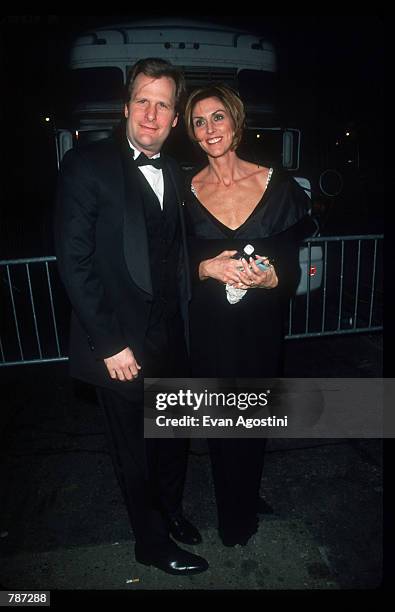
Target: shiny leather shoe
183,531
264,507
172,560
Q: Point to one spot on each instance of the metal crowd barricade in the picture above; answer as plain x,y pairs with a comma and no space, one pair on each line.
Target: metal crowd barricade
350,296
33,312
34,309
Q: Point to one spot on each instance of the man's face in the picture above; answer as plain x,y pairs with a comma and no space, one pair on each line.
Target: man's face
150,113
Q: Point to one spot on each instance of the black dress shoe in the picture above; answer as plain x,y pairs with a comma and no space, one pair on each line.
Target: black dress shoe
172,560
183,531
264,507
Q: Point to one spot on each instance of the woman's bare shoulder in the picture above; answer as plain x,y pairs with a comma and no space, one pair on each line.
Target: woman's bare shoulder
255,172
200,177
251,168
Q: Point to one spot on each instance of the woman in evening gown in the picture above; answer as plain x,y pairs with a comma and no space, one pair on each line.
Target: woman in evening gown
237,310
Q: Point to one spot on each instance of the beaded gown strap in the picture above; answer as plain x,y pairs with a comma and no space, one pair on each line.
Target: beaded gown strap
269,176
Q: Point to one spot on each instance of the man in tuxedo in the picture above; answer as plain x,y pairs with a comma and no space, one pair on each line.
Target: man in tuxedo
120,244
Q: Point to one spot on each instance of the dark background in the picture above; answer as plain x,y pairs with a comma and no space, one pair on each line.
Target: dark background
331,78
332,72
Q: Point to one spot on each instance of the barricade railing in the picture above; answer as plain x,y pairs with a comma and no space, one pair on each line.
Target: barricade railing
349,298
33,312
34,309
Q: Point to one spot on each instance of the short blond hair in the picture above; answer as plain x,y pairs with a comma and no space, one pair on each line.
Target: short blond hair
157,68
231,101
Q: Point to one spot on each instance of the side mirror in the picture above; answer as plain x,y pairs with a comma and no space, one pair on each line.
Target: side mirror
287,149
64,142
291,149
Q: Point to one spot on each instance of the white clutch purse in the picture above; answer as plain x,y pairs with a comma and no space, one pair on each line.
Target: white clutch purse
233,294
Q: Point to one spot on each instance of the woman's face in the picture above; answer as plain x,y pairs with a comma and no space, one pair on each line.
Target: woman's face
213,126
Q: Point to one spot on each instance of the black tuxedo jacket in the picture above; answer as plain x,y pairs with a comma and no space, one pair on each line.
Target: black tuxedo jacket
102,251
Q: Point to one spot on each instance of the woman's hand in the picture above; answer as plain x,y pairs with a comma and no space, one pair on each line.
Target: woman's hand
254,278
223,268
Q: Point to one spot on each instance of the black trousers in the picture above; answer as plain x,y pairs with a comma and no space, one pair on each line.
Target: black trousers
237,465
150,472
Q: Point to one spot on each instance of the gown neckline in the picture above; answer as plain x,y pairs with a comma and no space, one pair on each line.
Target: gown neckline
225,228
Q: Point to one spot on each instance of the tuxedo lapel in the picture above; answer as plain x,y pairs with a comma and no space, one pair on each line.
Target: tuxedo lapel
134,228
180,203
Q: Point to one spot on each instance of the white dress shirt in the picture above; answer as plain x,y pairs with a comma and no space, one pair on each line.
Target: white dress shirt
153,175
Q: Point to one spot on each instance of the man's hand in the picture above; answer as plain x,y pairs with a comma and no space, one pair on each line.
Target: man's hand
123,366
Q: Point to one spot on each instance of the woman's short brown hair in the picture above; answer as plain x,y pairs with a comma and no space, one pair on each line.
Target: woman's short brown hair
229,99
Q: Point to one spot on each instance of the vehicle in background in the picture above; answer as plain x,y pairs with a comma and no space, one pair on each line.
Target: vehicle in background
99,63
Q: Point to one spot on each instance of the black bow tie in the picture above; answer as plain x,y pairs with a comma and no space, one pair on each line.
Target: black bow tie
143,160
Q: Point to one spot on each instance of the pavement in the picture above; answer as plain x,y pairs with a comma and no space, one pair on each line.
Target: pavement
63,526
